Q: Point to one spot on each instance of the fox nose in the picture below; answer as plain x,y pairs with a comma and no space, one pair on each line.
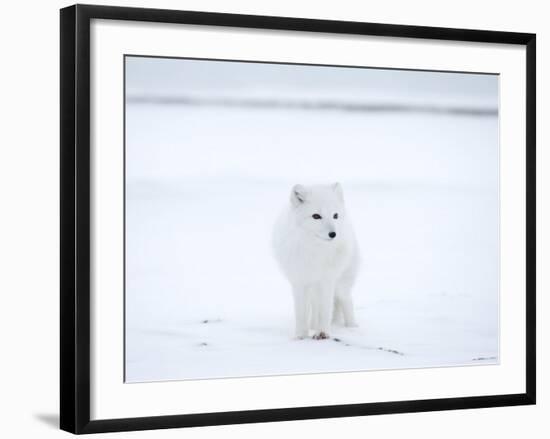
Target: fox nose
332,235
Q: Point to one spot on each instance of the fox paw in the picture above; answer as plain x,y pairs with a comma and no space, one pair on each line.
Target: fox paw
320,336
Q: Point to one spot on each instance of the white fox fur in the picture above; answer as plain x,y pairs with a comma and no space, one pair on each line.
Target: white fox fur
315,246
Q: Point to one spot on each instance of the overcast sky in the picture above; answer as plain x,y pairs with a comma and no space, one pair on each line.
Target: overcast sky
180,77
218,132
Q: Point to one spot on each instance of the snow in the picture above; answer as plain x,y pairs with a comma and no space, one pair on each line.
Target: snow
204,297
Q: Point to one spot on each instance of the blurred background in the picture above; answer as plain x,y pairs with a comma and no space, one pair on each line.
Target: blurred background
212,150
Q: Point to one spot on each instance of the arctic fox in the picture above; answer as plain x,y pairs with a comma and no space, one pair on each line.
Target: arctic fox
315,246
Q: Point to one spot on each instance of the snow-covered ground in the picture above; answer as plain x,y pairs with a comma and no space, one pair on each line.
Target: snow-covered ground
204,297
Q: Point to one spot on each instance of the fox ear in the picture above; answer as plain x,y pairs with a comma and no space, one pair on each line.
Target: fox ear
298,195
337,188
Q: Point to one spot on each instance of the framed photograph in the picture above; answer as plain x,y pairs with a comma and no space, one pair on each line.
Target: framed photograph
274,218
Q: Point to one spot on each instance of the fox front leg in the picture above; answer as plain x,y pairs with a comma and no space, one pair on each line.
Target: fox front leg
325,305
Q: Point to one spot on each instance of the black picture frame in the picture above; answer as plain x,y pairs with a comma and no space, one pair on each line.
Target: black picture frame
75,217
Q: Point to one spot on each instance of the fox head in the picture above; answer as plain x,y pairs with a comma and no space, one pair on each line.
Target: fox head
319,209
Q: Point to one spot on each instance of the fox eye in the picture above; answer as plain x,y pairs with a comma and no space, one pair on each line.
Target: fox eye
335,216
316,216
